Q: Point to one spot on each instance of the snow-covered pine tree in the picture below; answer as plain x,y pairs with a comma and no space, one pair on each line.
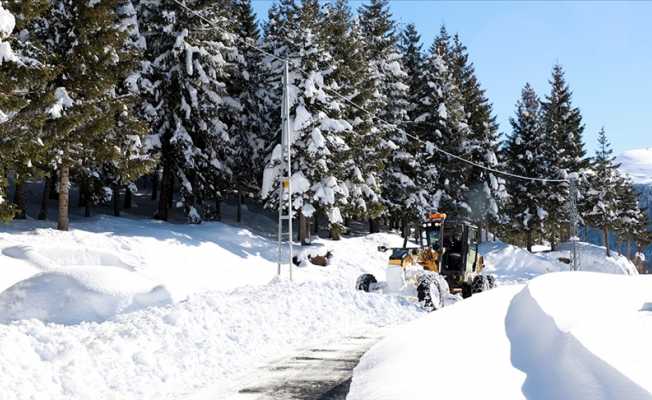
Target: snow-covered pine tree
102,177
344,42
487,190
632,222
22,102
524,155
317,138
405,197
413,59
86,102
390,102
192,111
602,202
248,159
441,122
562,123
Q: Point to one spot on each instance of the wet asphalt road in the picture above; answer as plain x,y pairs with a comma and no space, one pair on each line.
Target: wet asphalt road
312,374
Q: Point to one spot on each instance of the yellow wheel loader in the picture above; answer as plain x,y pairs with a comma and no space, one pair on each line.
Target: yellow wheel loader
445,265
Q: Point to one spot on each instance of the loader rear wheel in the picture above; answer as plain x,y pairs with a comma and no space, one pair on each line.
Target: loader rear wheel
482,283
492,281
467,290
364,282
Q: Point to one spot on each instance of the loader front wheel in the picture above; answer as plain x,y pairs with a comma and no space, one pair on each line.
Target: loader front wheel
429,293
365,282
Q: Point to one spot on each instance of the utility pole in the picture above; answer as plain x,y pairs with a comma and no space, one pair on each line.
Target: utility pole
574,217
285,189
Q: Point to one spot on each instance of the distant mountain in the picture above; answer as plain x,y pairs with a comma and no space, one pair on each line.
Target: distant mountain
637,163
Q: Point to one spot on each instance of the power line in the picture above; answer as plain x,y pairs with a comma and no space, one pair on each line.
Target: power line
369,113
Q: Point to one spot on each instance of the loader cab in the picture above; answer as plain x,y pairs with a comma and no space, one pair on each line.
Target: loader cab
460,245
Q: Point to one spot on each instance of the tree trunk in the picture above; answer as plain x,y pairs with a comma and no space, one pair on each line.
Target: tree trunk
303,234
529,240
218,209
54,194
630,256
238,211
19,199
155,185
605,237
116,200
315,222
64,198
553,243
335,232
128,198
43,213
373,225
163,201
83,193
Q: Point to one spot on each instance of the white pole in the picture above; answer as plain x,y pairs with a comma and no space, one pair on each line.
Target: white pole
285,189
574,217
287,146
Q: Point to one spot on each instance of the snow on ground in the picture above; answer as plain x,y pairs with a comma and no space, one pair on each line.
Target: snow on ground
561,335
511,264
637,164
150,310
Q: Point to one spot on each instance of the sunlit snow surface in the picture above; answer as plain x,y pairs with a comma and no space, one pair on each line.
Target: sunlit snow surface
150,310
560,335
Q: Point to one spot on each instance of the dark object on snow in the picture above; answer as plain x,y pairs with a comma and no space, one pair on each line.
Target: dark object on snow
364,282
321,260
482,283
565,260
295,261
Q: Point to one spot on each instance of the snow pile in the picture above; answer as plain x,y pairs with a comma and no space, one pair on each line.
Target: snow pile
80,294
511,264
637,164
593,258
568,335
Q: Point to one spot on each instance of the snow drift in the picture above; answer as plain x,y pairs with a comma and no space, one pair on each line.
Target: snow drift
512,264
568,335
80,294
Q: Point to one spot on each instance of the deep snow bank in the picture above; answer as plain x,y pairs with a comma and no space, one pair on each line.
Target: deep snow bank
513,264
583,336
567,335
80,294
168,352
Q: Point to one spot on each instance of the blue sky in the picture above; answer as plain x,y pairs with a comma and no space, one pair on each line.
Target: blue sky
604,47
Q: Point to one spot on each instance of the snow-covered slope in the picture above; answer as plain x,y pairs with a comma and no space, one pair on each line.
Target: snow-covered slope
566,335
169,309
511,264
637,164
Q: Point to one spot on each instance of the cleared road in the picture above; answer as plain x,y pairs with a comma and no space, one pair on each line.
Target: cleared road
313,374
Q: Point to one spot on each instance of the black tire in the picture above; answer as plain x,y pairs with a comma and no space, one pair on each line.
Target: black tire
364,282
467,290
429,292
479,284
492,281
482,283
